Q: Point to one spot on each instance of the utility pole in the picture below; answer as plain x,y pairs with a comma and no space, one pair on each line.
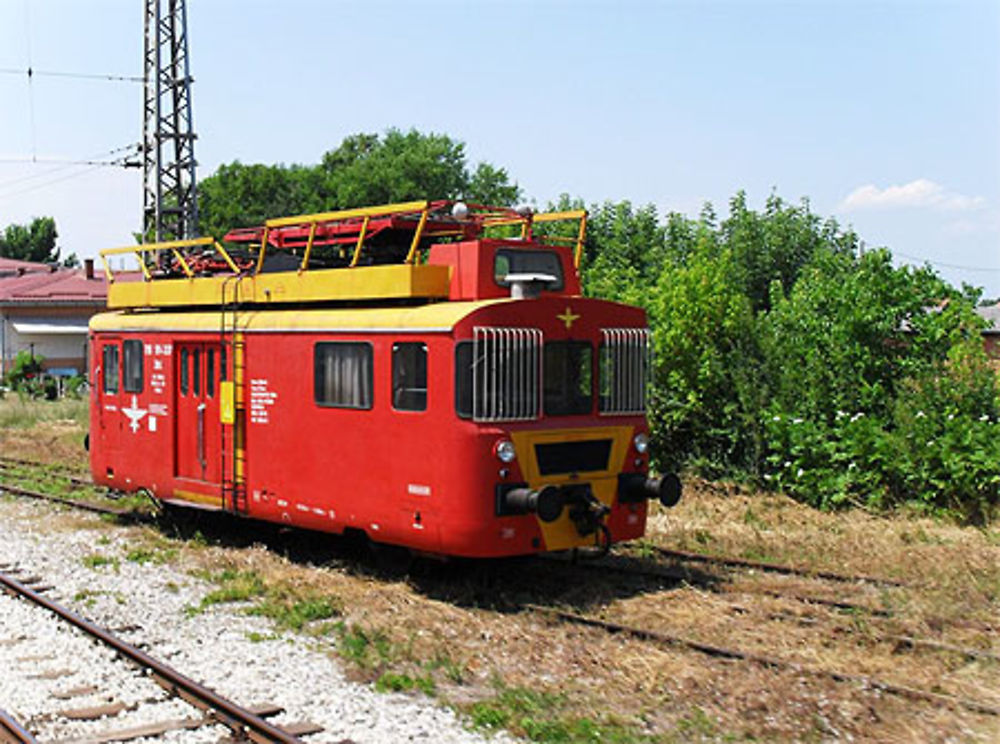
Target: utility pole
170,189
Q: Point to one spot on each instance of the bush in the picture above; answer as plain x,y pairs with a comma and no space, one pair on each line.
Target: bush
24,374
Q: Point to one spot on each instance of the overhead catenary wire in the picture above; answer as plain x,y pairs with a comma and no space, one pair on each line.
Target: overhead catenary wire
31,93
31,73
944,265
97,160
35,187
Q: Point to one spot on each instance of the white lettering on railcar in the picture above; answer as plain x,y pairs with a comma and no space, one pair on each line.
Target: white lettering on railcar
418,489
261,400
158,382
158,409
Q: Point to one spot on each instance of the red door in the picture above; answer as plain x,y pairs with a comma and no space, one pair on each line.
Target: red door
199,431
107,380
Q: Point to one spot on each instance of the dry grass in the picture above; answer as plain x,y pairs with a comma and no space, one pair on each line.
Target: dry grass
464,637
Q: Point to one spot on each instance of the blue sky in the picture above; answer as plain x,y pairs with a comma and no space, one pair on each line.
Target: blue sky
886,115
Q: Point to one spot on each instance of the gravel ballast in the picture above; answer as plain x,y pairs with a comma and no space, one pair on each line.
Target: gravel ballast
151,603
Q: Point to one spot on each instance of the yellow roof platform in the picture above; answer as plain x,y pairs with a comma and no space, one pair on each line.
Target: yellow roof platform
201,272
361,283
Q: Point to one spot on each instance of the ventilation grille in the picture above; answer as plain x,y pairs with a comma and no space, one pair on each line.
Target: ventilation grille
624,362
506,370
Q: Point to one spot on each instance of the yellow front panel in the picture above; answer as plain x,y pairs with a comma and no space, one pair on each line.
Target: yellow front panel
561,534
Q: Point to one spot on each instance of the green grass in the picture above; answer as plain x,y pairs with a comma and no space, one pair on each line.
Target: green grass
18,413
393,682
151,555
295,614
97,560
366,648
537,715
289,610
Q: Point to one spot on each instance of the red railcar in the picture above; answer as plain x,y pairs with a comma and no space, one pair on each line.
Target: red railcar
426,373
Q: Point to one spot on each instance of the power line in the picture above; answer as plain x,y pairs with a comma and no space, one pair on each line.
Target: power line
31,92
37,186
945,265
91,164
31,72
100,159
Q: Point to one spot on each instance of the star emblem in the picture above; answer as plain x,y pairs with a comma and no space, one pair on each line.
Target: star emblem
568,317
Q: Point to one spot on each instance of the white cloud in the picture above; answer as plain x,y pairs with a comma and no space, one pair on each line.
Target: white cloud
922,194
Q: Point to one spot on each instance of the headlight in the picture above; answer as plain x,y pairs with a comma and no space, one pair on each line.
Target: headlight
641,443
505,450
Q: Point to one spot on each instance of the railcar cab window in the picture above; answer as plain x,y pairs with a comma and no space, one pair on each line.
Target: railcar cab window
184,371
109,359
343,374
132,352
517,261
409,377
568,378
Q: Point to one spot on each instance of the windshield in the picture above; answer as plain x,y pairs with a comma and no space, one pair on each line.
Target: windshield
568,374
519,261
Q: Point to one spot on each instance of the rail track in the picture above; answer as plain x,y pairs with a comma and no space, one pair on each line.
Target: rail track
676,641
12,732
213,709
679,570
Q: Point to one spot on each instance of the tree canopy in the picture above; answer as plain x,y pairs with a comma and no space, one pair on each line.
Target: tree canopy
33,242
366,169
784,354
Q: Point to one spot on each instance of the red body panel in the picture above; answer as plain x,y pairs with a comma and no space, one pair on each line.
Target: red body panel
422,479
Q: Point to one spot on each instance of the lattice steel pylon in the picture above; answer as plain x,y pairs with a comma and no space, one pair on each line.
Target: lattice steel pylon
170,189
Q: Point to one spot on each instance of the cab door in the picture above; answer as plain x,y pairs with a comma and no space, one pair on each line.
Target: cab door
107,382
199,431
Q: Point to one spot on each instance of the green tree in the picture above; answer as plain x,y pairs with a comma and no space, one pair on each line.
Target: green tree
366,169
33,242
880,389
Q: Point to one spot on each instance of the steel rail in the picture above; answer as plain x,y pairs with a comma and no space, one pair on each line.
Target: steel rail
123,514
39,464
10,463
12,732
912,693
780,568
680,574
240,720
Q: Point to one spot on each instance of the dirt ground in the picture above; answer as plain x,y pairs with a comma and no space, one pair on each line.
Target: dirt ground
464,632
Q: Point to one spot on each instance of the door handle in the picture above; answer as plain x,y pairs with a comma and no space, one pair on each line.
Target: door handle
201,435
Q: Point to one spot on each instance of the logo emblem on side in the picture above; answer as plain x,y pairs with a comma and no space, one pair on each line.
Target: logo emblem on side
568,317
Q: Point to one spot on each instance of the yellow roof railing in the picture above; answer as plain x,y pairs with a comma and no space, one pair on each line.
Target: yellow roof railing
144,251
571,214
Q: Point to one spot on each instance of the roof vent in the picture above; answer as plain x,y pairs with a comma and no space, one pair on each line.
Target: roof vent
528,286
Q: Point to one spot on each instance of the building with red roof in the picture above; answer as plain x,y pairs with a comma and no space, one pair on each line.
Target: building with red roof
45,310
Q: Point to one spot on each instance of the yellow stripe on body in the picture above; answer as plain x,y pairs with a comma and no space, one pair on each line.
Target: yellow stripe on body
441,316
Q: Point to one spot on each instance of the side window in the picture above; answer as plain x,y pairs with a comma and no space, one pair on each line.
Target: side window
184,371
196,371
132,357
463,379
210,373
343,374
110,362
409,377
